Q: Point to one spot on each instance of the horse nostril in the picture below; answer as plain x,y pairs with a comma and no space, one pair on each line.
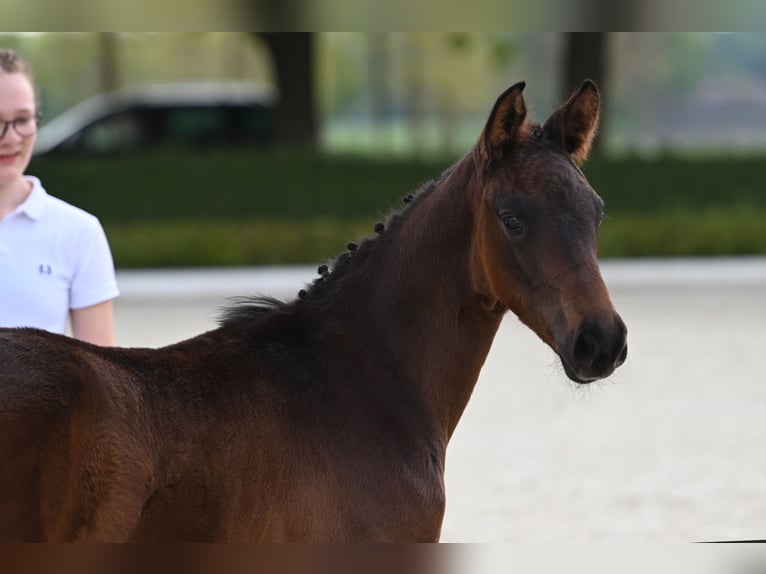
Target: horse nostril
584,351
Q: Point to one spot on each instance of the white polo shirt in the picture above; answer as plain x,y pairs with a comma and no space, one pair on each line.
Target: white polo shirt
53,257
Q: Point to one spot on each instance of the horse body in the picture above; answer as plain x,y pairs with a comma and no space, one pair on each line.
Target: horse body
170,444
326,418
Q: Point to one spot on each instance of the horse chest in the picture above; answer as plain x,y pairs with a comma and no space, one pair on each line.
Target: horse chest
384,496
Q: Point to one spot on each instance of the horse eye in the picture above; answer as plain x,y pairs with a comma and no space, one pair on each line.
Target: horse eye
512,224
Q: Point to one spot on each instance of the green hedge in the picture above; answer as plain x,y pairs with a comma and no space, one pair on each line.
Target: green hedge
707,232
249,207
671,184
183,243
233,185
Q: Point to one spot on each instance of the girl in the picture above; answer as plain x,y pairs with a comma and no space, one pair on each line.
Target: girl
55,261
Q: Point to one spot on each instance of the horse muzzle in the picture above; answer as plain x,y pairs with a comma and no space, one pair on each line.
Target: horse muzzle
596,348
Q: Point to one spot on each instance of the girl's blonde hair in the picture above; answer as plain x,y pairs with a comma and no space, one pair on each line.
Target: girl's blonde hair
11,62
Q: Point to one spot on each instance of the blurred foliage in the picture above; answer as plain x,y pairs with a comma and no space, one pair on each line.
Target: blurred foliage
256,207
230,184
254,241
395,95
396,15
665,91
76,72
668,183
735,230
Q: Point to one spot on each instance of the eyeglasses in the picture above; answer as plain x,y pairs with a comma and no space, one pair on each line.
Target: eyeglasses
25,126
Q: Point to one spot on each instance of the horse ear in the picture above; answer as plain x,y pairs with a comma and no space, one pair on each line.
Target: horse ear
503,126
575,123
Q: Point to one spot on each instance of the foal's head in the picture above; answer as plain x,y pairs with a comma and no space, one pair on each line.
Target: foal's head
536,231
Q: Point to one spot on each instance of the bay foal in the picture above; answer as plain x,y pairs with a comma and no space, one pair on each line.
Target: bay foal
326,418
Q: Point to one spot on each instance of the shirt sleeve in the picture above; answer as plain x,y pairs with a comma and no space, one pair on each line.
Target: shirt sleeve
94,279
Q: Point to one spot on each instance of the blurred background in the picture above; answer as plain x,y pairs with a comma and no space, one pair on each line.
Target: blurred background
262,148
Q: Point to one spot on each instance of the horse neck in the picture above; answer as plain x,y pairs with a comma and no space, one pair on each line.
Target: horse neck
413,300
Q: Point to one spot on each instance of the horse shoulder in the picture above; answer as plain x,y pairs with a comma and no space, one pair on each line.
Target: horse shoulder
81,426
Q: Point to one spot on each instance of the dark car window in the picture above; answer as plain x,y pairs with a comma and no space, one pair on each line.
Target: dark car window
256,124
197,126
194,125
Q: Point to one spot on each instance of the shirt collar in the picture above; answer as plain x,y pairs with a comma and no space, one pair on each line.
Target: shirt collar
34,205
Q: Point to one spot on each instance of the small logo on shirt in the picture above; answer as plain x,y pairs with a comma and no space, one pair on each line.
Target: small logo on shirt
45,269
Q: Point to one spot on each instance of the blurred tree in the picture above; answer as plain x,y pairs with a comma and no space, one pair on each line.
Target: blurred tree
379,70
585,58
416,89
108,61
293,58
